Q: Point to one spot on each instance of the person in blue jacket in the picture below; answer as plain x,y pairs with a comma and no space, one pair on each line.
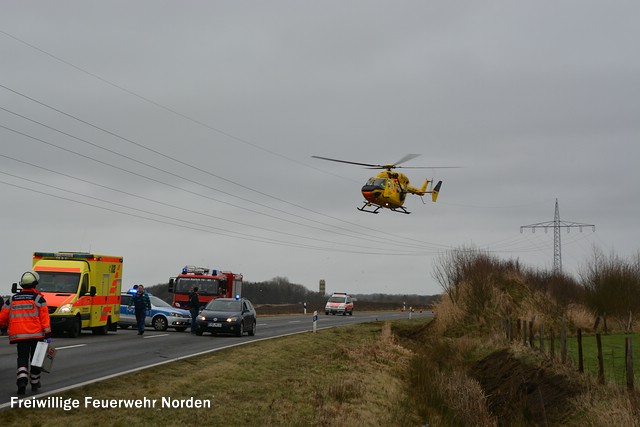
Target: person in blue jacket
142,306
194,307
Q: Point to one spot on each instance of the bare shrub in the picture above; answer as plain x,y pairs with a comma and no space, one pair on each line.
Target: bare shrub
478,285
448,314
579,316
612,285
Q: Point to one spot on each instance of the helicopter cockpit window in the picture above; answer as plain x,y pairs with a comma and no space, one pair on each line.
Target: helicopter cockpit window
378,182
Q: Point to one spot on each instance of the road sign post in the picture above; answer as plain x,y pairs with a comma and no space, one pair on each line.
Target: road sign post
315,321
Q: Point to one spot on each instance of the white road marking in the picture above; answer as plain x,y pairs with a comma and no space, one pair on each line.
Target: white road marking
70,346
156,336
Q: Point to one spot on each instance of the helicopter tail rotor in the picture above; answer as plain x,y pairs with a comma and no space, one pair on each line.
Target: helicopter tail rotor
435,191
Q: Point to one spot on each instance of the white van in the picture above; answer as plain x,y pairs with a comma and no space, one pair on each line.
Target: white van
339,303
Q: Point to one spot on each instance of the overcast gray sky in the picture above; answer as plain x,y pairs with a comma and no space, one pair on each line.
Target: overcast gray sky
176,133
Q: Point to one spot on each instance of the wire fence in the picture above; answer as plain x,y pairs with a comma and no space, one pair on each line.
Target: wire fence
609,357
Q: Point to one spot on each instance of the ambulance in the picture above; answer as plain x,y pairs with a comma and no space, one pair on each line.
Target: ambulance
339,303
82,290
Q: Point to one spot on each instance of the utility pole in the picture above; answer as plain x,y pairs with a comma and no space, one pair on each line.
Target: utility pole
557,225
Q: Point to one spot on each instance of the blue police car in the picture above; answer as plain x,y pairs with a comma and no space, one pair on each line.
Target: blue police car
163,315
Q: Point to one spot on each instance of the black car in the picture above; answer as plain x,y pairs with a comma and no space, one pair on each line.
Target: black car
227,316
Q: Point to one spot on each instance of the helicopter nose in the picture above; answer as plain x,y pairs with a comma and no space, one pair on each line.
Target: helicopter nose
370,195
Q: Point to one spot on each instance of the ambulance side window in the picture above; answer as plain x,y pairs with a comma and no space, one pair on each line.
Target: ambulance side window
85,284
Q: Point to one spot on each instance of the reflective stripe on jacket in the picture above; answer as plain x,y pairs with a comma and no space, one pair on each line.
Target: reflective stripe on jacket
27,316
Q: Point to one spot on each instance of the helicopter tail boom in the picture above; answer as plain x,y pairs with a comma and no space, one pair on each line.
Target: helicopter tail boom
424,187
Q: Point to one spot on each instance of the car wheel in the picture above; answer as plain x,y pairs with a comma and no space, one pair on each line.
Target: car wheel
76,328
252,332
100,330
160,323
241,329
351,313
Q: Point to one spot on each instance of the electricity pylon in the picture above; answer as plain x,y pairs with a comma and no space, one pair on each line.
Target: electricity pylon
557,225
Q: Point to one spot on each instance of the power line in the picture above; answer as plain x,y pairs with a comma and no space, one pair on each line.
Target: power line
192,167
557,226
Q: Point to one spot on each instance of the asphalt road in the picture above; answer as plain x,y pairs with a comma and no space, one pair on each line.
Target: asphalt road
91,358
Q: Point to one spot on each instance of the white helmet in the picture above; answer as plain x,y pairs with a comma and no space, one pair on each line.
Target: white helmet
29,279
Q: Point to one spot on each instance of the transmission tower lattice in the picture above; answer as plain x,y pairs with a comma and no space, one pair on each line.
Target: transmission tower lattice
557,225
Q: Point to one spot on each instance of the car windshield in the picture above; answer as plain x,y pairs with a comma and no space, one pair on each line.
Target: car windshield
58,282
206,286
157,302
218,305
336,299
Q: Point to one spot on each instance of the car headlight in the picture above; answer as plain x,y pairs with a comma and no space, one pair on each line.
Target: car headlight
232,319
66,308
201,318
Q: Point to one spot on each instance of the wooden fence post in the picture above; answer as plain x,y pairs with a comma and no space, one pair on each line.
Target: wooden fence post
600,359
563,343
629,360
532,331
580,355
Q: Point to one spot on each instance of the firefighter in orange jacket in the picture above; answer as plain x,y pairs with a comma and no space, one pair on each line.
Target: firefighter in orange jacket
27,317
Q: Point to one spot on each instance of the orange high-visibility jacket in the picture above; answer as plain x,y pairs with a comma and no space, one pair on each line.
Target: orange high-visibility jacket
27,316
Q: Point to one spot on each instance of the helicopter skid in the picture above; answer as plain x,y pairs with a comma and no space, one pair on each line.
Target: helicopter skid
399,209
369,205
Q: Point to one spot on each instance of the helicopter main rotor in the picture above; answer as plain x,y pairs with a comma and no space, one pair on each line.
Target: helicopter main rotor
388,167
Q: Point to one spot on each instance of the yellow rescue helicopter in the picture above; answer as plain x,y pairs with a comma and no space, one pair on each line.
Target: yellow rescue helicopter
388,189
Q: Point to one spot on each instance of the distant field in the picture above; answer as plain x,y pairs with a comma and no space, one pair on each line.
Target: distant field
613,353
271,309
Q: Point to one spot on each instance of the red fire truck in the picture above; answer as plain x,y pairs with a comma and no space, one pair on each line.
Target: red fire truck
211,284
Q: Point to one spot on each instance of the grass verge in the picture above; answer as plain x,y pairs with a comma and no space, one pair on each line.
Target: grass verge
355,375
